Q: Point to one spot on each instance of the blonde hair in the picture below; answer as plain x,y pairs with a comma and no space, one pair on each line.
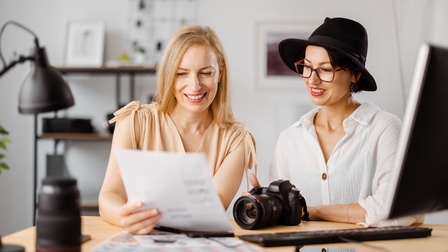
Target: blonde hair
183,39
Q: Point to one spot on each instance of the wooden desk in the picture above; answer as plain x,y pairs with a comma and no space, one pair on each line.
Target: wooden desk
100,231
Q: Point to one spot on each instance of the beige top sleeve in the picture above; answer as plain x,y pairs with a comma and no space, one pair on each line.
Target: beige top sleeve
155,130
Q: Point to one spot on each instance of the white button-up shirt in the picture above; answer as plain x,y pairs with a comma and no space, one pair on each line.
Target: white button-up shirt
358,169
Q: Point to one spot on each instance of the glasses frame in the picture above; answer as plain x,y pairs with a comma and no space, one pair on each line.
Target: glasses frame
300,62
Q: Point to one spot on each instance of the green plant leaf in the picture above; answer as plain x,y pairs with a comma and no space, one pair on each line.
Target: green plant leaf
4,166
3,142
3,131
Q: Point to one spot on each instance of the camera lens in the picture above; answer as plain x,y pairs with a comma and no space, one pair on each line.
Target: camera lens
58,224
257,211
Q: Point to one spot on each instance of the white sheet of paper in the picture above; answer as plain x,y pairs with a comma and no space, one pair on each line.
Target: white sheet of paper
179,185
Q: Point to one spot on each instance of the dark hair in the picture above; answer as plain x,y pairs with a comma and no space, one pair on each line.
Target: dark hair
340,60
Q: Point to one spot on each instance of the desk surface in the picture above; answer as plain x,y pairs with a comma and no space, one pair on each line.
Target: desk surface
100,231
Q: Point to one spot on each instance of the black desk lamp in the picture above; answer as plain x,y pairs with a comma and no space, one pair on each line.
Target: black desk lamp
43,90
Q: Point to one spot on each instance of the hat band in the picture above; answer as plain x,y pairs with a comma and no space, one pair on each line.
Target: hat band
338,45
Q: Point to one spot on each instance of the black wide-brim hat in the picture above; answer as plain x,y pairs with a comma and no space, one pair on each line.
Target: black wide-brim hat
340,34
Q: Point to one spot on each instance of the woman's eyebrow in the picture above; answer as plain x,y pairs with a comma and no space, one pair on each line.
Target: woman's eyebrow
320,64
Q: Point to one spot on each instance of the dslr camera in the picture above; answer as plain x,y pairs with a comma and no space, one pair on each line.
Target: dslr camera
279,203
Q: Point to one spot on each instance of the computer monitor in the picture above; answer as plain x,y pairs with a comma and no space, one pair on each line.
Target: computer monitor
420,181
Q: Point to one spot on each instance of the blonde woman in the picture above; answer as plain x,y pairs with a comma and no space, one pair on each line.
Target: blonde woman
191,113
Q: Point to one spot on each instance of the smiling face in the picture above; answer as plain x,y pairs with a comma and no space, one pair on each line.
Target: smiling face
196,82
326,93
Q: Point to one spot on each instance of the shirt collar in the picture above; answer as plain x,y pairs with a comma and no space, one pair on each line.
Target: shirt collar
362,115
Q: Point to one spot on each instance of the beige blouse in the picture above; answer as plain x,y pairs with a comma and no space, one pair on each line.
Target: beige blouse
154,130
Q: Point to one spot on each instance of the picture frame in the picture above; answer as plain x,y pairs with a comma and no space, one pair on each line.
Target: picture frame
271,72
85,44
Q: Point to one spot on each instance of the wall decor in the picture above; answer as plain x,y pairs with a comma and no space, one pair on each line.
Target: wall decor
152,22
271,72
85,44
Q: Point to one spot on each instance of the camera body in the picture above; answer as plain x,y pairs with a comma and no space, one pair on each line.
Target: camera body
279,203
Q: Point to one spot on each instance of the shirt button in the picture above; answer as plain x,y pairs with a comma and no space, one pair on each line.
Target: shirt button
324,176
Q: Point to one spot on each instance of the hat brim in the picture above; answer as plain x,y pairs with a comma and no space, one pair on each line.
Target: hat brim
291,50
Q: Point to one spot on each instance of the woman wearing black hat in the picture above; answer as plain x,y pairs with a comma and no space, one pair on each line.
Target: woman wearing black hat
340,154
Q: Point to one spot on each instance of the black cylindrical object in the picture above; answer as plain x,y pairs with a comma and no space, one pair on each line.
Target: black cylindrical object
257,211
58,224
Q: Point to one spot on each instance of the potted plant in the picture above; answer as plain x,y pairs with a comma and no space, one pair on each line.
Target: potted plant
4,140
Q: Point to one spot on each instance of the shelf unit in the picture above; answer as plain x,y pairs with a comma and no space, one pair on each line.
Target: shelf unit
76,136
130,71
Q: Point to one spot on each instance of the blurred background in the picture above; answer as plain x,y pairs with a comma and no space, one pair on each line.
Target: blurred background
135,32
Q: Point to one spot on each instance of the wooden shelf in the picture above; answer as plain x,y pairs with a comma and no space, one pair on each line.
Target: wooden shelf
76,136
117,72
89,204
89,207
107,70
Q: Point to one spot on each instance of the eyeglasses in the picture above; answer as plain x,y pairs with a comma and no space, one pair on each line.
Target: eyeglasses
324,74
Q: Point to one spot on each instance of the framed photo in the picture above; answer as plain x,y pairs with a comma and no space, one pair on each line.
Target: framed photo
85,44
271,72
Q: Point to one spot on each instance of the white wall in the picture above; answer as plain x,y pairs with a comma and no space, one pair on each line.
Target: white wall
265,112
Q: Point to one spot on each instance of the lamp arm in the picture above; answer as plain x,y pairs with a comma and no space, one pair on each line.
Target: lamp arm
21,58
13,63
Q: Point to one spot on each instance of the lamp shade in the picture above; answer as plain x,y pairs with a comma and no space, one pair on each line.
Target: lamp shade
43,89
